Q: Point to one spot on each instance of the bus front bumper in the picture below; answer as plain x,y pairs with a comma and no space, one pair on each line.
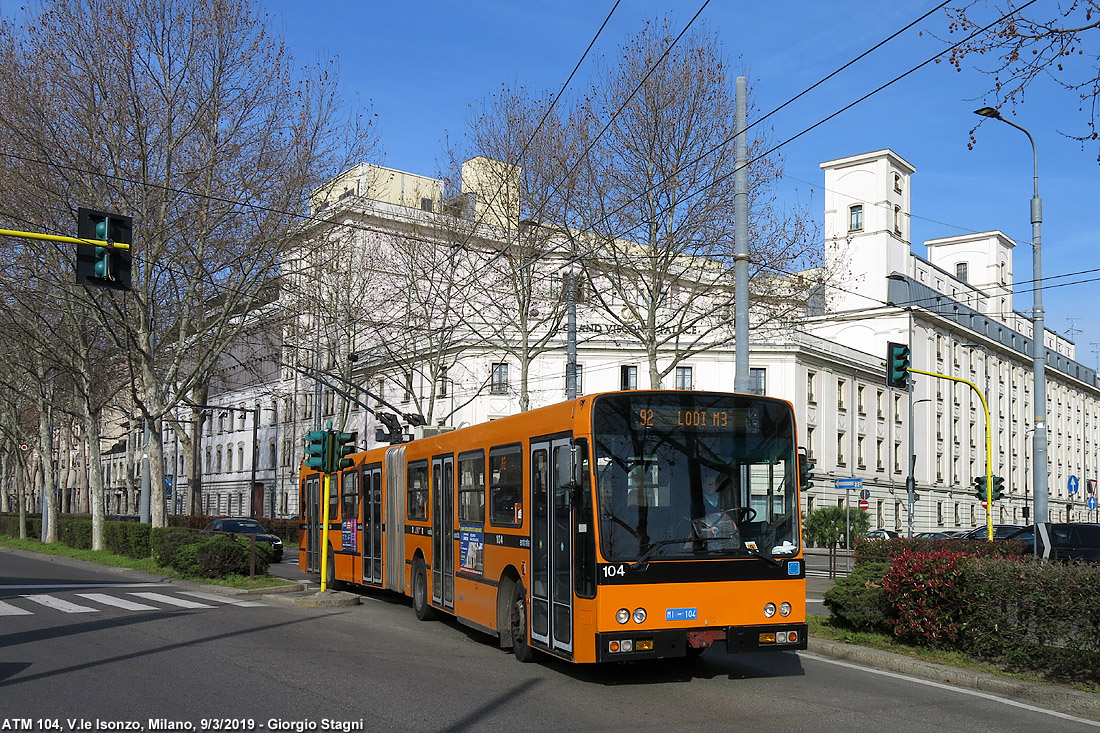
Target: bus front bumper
622,646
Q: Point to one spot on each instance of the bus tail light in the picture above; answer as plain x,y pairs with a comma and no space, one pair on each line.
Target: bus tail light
622,615
639,615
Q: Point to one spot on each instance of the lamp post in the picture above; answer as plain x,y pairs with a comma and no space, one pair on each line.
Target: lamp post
1039,440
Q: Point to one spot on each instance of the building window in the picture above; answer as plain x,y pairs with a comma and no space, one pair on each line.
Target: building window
443,380
897,182
810,442
240,455
811,380
897,219
861,399
961,271
218,460
683,377
758,381
229,459
499,381
855,218
861,460
628,377
840,458
880,404
841,390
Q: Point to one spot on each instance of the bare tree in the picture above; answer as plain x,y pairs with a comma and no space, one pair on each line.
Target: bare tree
514,176
658,202
1047,42
192,119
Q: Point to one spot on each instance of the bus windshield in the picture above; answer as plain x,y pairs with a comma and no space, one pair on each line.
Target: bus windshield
694,475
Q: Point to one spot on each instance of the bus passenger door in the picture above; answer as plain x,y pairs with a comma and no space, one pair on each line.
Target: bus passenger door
443,546
372,525
551,546
313,524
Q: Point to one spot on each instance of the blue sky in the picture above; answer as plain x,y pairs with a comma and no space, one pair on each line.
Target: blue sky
420,65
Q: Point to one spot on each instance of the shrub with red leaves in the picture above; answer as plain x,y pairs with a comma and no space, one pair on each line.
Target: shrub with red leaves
929,591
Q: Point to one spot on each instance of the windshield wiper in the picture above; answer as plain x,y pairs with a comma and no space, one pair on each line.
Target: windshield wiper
653,547
778,562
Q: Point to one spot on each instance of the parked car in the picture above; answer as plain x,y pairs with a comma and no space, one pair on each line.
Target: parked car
931,536
1000,531
881,534
246,528
1068,541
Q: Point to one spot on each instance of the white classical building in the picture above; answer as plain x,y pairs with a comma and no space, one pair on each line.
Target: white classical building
956,306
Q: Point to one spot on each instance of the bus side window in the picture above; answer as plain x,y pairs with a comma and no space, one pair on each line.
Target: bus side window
506,485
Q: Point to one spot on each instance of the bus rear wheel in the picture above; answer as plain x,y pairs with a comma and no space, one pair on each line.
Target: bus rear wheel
421,606
518,624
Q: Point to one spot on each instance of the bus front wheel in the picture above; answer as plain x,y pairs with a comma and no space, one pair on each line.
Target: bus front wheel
518,623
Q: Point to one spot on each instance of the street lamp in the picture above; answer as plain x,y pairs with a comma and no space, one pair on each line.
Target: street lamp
1039,440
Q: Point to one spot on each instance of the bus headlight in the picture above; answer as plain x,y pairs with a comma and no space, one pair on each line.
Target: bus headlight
639,615
622,615
769,609
784,609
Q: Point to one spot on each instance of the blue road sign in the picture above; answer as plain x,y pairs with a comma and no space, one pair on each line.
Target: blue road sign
1073,484
848,483
1092,503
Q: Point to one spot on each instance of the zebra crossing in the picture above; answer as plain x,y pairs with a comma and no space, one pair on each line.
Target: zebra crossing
26,604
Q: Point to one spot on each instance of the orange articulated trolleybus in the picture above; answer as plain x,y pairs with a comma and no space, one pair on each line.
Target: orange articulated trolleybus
613,527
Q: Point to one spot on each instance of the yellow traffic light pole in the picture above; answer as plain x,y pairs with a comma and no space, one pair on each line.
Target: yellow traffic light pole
988,447
62,238
324,532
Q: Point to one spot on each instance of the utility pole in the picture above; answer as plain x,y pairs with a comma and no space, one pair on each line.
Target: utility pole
741,382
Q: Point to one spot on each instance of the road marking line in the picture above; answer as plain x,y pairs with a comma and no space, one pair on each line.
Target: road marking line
944,686
117,602
6,609
221,599
60,605
170,600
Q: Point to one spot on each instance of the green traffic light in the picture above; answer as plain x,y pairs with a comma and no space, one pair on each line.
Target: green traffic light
317,444
897,365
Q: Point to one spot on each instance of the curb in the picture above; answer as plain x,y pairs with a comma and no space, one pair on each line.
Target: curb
328,599
1055,697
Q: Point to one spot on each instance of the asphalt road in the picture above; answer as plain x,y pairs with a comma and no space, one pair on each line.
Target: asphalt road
269,666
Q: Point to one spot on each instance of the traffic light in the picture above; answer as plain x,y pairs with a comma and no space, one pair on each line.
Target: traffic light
101,265
317,450
979,487
343,445
805,470
897,365
998,487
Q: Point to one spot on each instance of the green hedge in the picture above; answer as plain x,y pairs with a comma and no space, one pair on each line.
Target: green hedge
1027,616
182,548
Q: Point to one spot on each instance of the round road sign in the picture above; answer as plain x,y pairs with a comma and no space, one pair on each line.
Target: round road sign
864,504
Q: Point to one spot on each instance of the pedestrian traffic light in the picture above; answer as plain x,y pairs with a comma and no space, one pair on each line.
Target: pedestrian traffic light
104,265
998,487
979,488
805,470
317,450
344,445
897,365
